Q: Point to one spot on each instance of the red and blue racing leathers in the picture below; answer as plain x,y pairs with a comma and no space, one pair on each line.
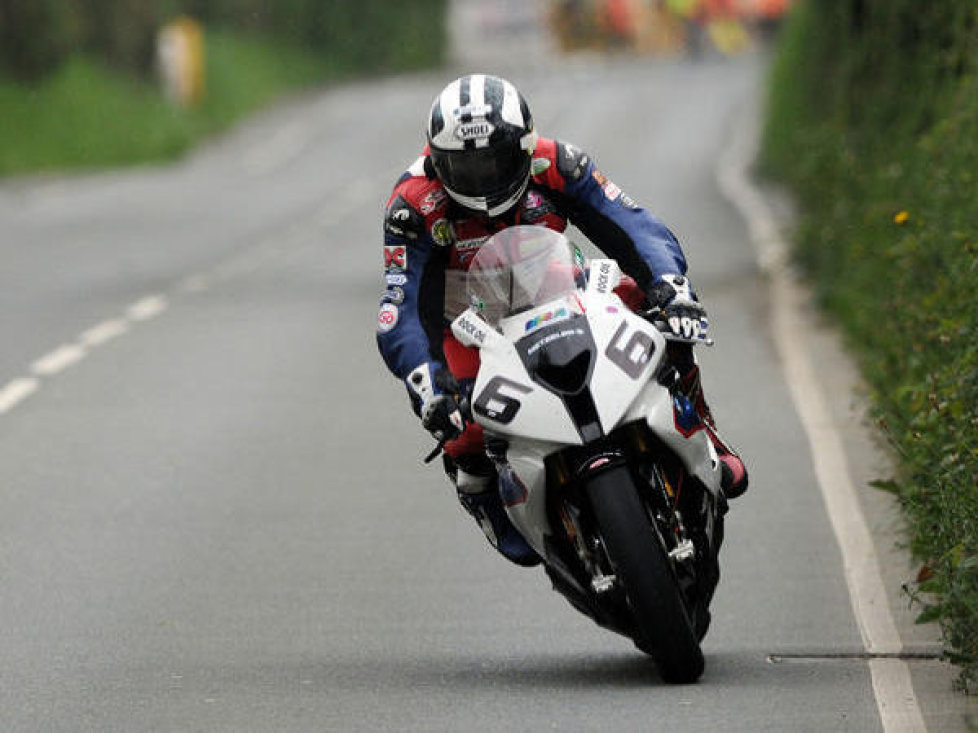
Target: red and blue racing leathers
429,242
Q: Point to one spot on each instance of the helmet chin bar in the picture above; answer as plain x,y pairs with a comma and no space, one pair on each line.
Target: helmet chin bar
480,204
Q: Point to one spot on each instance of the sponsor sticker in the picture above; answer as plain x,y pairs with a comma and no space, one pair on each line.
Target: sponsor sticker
395,257
544,318
550,338
604,278
579,257
387,317
394,295
611,191
433,200
395,278
474,330
443,233
475,130
539,165
473,110
465,245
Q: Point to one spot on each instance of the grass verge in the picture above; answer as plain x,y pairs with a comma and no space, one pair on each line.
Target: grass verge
86,116
873,121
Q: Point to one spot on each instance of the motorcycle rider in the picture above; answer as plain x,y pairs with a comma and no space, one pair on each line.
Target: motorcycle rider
485,168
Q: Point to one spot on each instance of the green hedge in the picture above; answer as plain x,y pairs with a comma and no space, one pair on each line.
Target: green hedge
873,120
76,93
38,36
86,116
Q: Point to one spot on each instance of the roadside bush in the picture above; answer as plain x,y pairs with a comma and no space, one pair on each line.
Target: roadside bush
96,106
121,33
873,120
35,37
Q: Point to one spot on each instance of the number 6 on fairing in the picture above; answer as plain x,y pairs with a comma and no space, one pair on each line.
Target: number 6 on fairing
634,355
495,404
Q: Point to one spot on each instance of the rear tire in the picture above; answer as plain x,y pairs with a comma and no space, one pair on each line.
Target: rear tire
662,624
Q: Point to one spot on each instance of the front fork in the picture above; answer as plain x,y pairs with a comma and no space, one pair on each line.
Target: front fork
660,499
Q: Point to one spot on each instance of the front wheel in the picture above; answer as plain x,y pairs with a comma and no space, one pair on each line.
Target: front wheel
662,624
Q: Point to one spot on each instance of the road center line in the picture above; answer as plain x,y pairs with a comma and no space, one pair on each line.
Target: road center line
58,360
892,684
105,331
15,391
150,306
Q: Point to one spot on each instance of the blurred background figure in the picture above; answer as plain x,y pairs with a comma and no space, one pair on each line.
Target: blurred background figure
663,27
722,20
619,22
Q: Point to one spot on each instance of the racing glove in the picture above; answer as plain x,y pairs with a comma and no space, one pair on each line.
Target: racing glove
438,400
679,308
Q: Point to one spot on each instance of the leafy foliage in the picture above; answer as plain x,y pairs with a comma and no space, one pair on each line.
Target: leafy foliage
38,36
86,116
873,120
74,74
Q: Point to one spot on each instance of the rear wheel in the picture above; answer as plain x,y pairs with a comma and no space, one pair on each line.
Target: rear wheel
632,541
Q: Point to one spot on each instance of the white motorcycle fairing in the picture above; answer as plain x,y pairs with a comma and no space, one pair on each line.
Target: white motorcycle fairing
625,352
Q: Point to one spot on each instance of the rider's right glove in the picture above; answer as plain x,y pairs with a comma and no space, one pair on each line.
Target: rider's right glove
438,400
684,315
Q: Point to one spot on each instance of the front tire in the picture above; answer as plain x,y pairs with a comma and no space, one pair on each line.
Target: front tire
662,624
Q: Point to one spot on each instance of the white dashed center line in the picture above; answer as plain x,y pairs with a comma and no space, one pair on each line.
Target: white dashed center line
105,331
147,308
15,391
58,360
289,143
67,355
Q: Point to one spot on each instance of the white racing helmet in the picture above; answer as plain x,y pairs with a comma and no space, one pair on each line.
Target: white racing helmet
481,140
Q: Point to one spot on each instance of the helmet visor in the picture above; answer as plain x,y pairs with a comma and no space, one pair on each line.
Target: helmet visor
485,172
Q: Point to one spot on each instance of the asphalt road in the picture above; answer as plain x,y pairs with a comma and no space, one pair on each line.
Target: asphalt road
213,512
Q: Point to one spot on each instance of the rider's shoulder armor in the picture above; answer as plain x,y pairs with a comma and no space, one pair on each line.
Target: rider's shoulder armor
572,162
557,164
418,205
402,219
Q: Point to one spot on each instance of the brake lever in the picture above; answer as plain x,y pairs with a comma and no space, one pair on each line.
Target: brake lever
436,452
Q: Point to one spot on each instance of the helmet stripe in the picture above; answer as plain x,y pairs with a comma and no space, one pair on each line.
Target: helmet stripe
477,90
494,92
447,103
511,111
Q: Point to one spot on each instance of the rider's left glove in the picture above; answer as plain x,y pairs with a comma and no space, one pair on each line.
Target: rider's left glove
443,418
684,315
439,400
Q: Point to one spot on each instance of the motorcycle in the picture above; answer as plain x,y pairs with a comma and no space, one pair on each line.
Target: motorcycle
604,465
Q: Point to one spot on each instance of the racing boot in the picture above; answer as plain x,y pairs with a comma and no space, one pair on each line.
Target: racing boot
476,482
733,477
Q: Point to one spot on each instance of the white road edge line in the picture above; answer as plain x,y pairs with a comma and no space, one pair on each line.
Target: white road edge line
892,683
